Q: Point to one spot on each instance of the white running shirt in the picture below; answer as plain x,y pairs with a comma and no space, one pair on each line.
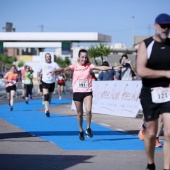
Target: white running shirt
46,68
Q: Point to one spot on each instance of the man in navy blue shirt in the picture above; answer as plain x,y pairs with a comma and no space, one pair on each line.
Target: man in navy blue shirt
107,75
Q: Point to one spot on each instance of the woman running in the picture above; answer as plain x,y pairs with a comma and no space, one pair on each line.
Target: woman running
28,83
11,79
82,89
61,83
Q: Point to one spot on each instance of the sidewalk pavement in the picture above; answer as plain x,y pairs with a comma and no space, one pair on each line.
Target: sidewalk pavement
20,150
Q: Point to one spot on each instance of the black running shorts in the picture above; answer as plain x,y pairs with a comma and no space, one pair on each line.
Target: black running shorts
77,96
152,110
9,88
48,86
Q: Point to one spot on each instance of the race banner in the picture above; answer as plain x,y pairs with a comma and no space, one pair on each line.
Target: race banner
119,98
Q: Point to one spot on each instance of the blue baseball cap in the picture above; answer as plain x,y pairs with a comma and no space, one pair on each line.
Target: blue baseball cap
163,19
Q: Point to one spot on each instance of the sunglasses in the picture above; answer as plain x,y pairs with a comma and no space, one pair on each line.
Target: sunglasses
164,26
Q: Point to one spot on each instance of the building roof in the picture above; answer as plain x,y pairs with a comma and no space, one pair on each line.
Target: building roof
54,37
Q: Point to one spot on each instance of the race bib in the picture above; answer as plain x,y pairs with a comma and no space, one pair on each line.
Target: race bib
27,81
12,83
49,77
60,77
82,83
160,95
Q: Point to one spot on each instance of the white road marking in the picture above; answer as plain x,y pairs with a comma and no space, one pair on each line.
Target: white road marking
120,130
104,124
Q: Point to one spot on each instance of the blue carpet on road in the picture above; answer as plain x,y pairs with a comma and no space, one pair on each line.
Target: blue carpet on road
63,130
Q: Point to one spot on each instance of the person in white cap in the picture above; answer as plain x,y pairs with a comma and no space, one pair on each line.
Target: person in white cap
153,66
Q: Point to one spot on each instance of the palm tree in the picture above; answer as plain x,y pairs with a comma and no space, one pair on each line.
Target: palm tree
103,50
93,53
100,50
106,52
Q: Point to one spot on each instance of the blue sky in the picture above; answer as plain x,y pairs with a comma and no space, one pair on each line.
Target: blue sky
110,17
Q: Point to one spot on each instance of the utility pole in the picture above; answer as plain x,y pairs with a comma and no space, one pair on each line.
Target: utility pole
42,28
133,30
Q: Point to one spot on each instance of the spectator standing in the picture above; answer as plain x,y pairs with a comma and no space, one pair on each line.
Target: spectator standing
127,69
108,74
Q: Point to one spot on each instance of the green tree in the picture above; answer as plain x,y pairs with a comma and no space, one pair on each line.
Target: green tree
5,62
103,50
62,62
100,50
93,53
20,63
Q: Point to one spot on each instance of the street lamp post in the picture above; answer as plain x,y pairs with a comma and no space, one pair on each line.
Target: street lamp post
132,31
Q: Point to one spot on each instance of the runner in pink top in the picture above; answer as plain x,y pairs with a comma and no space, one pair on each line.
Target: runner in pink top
82,89
82,79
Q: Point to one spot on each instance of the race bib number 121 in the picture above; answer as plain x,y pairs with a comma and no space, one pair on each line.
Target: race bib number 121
160,95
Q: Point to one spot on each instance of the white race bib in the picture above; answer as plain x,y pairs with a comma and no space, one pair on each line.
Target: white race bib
49,77
160,95
27,81
82,83
60,77
12,83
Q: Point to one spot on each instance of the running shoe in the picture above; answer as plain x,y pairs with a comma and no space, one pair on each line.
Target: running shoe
26,102
158,144
47,113
11,108
89,133
142,133
81,135
60,98
150,167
